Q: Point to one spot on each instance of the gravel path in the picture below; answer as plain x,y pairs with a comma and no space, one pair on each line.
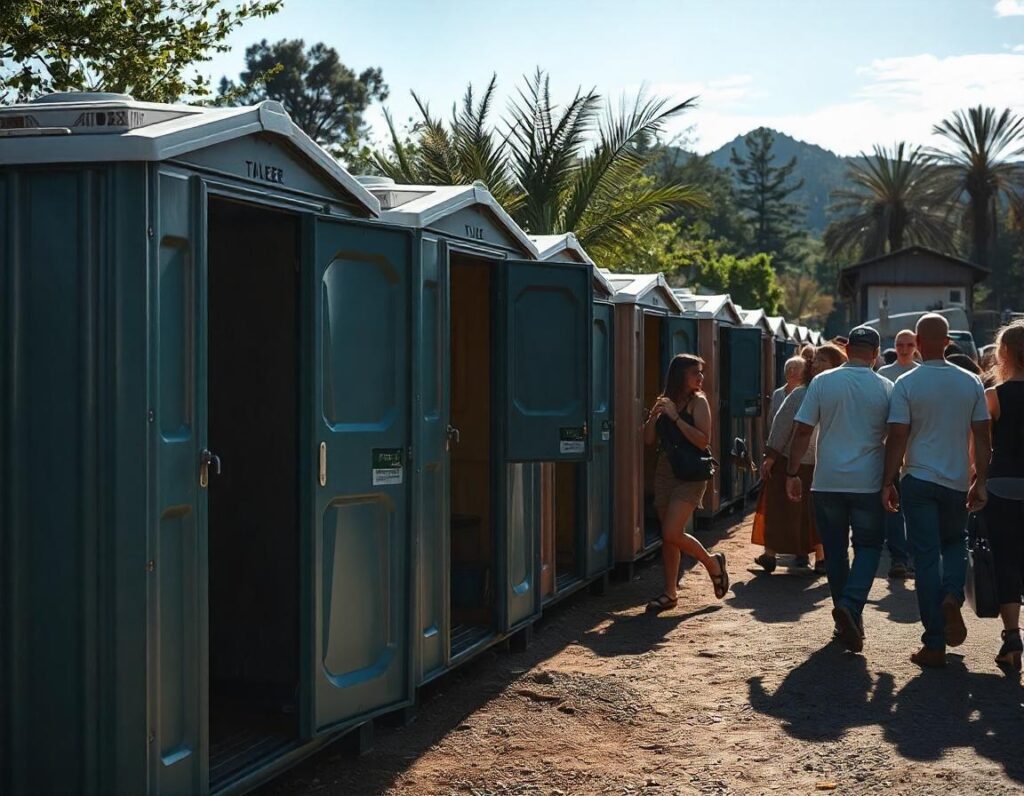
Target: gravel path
746,696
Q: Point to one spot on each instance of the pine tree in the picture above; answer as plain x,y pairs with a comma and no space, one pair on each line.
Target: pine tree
763,192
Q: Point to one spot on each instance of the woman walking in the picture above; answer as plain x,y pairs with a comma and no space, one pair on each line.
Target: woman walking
781,525
681,416
1004,512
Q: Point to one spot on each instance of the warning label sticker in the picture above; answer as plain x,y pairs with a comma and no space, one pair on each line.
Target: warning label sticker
571,440
388,466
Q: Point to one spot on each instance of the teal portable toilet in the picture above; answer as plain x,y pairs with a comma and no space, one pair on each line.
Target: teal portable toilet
205,520
502,368
780,337
649,329
759,423
576,497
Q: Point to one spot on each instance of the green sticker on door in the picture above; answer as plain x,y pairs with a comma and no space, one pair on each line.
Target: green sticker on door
387,466
571,440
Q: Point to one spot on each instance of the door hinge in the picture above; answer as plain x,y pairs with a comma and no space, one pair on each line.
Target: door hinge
151,565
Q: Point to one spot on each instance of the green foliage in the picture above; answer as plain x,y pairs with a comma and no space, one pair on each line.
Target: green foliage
763,192
139,47
894,202
323,96
555,169
982,169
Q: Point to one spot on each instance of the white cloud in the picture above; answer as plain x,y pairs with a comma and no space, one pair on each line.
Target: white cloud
899,99
1010,8
1019,48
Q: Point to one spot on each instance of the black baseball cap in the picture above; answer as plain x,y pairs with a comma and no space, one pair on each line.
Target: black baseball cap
865,336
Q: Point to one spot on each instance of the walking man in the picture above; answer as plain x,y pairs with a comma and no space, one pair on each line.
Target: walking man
935,410
850,406
895,527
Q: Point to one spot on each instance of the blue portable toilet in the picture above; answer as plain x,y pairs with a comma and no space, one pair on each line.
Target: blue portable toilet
503,347
576,527
780,336
760,423
650,328
206,358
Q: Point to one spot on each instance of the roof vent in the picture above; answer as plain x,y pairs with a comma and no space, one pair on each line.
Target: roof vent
81,96
371,181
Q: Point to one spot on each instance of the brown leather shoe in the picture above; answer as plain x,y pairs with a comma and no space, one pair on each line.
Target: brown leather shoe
955,630
928,658
849,632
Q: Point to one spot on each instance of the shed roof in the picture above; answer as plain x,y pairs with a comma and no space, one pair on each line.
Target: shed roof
423,206
642,288
915,251
78,127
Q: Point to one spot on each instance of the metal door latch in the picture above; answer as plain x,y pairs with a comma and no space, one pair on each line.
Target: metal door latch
207,459
453,437
323,464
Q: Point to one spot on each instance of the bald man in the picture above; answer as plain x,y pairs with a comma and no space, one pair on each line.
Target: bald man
935,409
906,347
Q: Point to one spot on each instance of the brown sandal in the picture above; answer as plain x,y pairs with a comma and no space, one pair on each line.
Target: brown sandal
721,580
662,603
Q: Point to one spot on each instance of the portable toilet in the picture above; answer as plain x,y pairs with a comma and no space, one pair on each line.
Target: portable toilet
501,363
780,336
649,330
757,319
206,349
732,383
576,543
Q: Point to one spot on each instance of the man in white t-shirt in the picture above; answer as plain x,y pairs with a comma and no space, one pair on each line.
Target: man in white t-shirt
935,410
850,406
895,527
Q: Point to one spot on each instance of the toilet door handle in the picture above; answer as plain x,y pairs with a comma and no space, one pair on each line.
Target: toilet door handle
453,437
207,459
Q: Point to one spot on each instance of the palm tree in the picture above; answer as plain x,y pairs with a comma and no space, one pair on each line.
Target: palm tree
983,169
555,169
894,202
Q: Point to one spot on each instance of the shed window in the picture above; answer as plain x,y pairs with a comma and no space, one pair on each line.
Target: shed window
955,296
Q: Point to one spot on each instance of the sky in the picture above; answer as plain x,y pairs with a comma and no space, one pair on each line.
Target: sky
844,75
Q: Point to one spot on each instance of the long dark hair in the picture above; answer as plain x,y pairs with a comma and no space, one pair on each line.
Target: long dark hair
675,379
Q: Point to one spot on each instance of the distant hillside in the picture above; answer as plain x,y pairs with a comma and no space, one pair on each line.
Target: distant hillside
821,170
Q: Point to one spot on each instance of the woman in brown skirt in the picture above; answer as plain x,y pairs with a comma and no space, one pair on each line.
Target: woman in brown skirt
781,525
681,414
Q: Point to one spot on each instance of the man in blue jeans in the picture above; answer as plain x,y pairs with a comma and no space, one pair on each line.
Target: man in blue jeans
850,406
935,409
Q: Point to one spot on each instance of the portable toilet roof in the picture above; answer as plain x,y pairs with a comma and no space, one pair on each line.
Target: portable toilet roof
84,127
719,307
650,289
469,212
803,334
759,319
567,248
778,327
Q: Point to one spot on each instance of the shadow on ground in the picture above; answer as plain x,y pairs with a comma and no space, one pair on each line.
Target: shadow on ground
833,692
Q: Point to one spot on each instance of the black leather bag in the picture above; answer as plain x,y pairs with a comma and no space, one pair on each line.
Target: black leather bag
980,587
688,462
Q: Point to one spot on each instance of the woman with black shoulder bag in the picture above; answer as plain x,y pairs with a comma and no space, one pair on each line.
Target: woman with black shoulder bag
680,422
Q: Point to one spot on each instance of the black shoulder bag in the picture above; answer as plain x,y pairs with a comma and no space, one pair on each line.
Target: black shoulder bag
688,462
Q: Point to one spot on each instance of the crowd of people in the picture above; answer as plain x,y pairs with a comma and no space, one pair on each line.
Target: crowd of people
884,451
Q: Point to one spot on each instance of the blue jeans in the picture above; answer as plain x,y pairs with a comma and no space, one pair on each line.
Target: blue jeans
896,537
937,530
836,513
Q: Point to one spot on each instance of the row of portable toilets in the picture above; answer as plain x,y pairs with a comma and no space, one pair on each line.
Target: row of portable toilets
279,445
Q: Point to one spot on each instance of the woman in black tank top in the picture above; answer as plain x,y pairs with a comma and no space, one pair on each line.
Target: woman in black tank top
1004,512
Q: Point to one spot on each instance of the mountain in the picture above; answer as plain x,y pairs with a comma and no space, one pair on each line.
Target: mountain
821,170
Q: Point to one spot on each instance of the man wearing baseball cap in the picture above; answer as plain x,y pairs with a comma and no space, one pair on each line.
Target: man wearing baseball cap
935,409
850,407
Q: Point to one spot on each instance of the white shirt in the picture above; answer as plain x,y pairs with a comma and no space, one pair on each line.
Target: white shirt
895,370
939,401
850,407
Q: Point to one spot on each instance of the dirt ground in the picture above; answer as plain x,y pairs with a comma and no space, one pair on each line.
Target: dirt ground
746,696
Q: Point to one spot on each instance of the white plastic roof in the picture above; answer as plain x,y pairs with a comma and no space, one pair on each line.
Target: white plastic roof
778,326
84,127
756,318
720,307
549,246
419,206
633,288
